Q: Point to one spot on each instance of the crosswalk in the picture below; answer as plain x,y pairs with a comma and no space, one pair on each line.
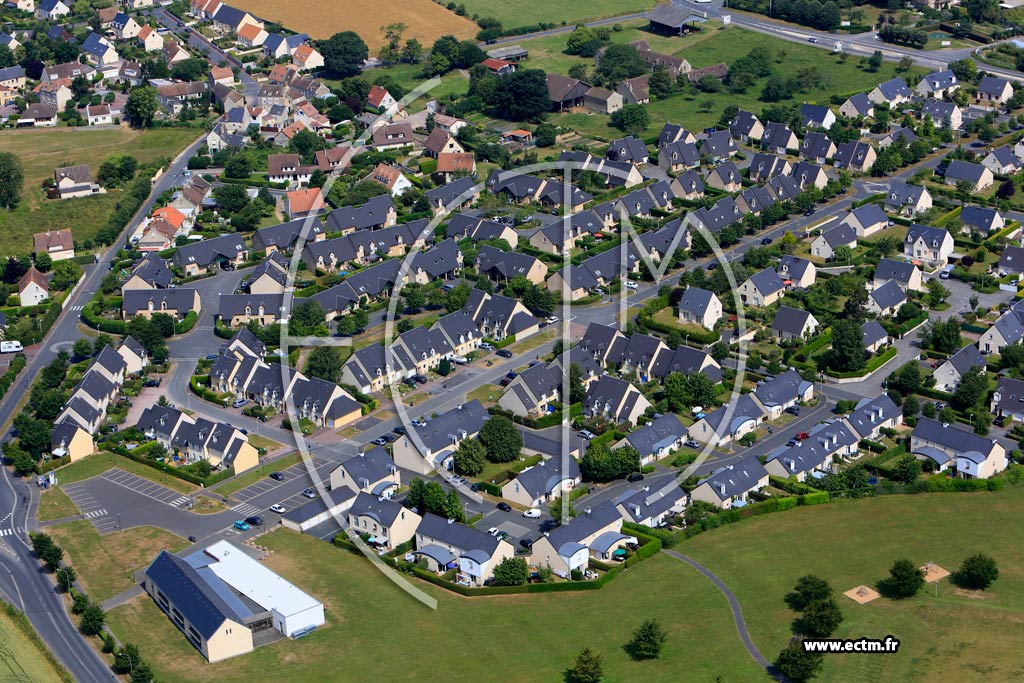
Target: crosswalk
180,502
9,532
93,514
245,509
77,308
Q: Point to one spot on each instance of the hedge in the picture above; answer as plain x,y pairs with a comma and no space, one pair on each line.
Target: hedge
813,498
196,382
93,320
51,464
18,364
138,456
490,488
872,446
791,485
186,325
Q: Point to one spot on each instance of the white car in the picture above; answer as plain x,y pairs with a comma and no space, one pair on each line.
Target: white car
487,346
586,434
532,513
631,285
278,508
494,531
552,320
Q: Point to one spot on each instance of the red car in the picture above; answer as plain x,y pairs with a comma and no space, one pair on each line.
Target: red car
802,436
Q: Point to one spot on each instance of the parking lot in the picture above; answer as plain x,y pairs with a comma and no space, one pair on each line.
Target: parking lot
90,507
258,497
146,487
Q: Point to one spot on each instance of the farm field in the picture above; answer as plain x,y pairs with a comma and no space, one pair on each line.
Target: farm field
464,639
104,563
513,13
425,19
956,636
44,149
21,658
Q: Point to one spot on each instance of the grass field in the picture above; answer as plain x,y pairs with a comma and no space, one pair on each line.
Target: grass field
426,20
44,149
55,504
515,639
98,463
20,656
952,637
104,563
513,13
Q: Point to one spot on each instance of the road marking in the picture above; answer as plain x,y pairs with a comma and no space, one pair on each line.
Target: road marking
180,501
9,532
245,509
95,513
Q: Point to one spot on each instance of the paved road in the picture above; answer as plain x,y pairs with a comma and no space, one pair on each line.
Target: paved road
734,605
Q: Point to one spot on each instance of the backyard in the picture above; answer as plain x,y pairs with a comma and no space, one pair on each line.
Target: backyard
42,150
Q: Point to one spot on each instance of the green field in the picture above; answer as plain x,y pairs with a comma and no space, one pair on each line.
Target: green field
374,627
21,654
104,564
55,504
953,637
513,13
44,149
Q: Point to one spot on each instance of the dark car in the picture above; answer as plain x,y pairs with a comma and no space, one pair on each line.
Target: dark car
399,430
636,476
526,543
793,410
419,378
713,265
766,240
410,381
504,507
511,374
809,212
255,520
151,383
999,421
277,476
504,353
211,356
505,381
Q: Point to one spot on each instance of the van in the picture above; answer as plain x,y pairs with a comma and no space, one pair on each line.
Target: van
10,347
946,272
532,513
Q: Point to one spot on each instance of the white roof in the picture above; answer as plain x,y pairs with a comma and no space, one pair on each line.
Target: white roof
256,582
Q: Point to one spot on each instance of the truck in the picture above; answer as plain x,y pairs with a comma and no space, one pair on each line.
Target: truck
10,347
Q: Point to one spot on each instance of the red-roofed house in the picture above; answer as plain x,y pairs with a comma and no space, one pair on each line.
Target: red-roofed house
301,203
380,99
33,288
391,178
450,164
171,215
149,39
251,35
306,58
499,67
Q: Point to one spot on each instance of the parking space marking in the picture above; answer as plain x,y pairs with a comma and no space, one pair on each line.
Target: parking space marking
144,487
297,470
245,509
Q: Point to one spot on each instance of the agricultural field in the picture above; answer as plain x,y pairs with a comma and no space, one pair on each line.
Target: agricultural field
44,149
21,656
512,13
425,19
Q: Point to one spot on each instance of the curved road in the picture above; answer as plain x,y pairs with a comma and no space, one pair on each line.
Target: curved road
734,605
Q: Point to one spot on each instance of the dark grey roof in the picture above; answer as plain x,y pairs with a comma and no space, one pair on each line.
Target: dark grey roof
504,264
869,214
841,235
861,103
938,110
657,434
889,295
154,270
965,170
441,432
817,145
1010,393
1012,259
230,305
990,85
202,607
317,506
873,332
940,80
63,433
686,359
374,212
743,123
443,195
718,144
894,88
903,193
671,132
951,436
627,149
790,320
735,480
792,267
933,236
285,235
813,114
585,524
727,173
679,152
785,388
696,300
109,359
825,439
903,134
546,475
135,300
370,466
384,510
456,535
979,217
764,165
777,135
966,358
205,252
1005,156
767,281
871,412
891,269
850,153
617,394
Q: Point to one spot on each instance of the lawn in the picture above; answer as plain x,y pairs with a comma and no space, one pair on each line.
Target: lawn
54,504
513,13
255,474
104,563
515,639
257,441
98,463
485,393
22,657
44,149
952,637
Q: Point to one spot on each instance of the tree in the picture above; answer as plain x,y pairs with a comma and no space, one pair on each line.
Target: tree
796,664
820,618
412,51
632,119
231,198
512,571
942,336
66,578
11,179
501,438
619,61
601,464
414,299
982,10
588,667
343,53
126,659
842,254
972,389
117,169
33,434
522,95
141,106
904,581
544,135
44,263
647,641
143,673
52,556
848,352
808,589
875,61
65,274
907,379
976,572
191,69
660,84
470,457
93,619
325,362
907,470
306,317
82,348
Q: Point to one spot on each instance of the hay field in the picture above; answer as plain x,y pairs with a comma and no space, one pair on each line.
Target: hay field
426,19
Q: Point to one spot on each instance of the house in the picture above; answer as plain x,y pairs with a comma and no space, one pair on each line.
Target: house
615,400
134,355
565,92
150,272
809,175
746,127
70,182
816,116
1007,330
13,77
893,92
1008,399
500,265
269,277
499,67
729,486
859,105
252,35
567,549
925,243
33,288
124,27
39,116
718,146
740,416
283,237
796,272
98,114
628,149
173,51
454,165
866,219
393,136
450,124
236,310
762,289
875,336
765,166
448,545
814,455
872,415
601,100
825,244
899,135
98,49
855,156
286,168
458,193
431,448
221,598
886,299
818,147
390,177
725,177
943,114
948,374
977,176
994,90
938,84
176,96
387,523
57,244
441,141
378,212
532,391
778,138
371,472
157,235
949,447
543,483
793,323
635,90
907,200
671,132
657,439
1002,161
228,19
701,307
307,58
905,274
197,257
71,440
1012,260
176,303
51,9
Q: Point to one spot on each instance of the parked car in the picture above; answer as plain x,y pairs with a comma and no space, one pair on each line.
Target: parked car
504,507
505,353
586,434
533,513
636,476
692,443
211,356
999,421
487,346
802,436
793,410
766,240
505,381
511,374
631,285
380,441
400,429
551,320
494,531
239,402
151,383
255,520
278,508
309,493
526,543
277,476
241,525
459,481
419,378
419,422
